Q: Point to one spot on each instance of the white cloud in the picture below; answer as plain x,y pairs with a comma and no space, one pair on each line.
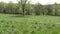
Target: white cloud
45,1
35,1
8,1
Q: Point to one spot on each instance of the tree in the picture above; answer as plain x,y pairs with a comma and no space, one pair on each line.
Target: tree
49,8
57,9
28,8
10,8
38,9
44,10
2,7
23,3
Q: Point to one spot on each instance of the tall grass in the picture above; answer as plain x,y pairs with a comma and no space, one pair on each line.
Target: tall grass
13,24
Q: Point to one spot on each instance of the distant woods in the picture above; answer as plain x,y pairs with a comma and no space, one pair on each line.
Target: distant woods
29,9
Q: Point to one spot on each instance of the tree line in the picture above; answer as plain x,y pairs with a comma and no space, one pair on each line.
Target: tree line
29,9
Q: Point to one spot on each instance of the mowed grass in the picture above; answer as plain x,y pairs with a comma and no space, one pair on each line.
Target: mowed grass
16,24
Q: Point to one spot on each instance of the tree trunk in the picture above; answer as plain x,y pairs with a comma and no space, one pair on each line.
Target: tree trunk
23,10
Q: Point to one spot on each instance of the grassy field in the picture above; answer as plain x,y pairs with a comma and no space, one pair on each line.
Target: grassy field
15,24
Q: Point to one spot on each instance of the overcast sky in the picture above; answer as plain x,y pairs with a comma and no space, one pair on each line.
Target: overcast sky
35,1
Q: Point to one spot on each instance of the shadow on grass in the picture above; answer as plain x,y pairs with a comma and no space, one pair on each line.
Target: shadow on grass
20,16
17,16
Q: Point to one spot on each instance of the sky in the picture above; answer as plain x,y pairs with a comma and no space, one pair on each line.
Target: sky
35,1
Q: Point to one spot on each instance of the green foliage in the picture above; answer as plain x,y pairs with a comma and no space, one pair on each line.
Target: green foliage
2,7
28,9
10,8
38,9
23,4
